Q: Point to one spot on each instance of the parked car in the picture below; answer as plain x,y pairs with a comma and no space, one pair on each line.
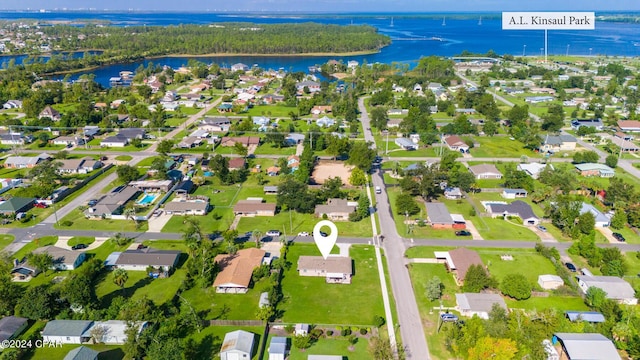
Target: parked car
79,246
447,317
322,233
40,205
619,237
92,202
141,246
157,213
570,266
542,228
303,233
273,233
463,233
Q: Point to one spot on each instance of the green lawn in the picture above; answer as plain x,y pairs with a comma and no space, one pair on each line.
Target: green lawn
271,111
422,152
87,240
13,173
334,345
353,304
269,149
219,219
552,302
5,240
528,259
79,222
36,243
302,222
500,146
123,157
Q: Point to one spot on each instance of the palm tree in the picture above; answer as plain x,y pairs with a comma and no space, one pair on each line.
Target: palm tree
130,213
120,277
257,236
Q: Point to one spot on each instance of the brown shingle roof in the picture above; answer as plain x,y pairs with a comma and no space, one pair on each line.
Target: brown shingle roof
237,269
463,258
454,140
332,264
236,163
249,206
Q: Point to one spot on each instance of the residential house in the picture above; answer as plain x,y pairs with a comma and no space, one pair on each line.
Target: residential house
142,259
237,345
278,348
470,304
236,270
273,171
82,353
455,143
555,143
246,141
406,144
272,98
312,86
550,282
237,163
63,259
593,317
117,140
325,121
336,209
199,133
239,67
453,193
438,216
321,109
602,220
187,207
533,169
595,169
580,346
225,108
397,112
433,86
538,99
215,124
25,162
14,138
89,132
293,139
51,113
183,189
468,111
152,185
66,331
616,288
112,203
114,331
68,141
514,193
629,125
270,190
592,123
293,162
335,269
253,208
517,208
12,104
16,205
485,171
79,166
132,133
459,261
262,121
624,144
301,329
12,326
190,142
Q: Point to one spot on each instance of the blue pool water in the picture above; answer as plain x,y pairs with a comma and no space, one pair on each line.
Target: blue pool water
147,199
208,173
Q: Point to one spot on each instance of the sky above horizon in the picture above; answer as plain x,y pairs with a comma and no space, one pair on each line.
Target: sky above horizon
327,5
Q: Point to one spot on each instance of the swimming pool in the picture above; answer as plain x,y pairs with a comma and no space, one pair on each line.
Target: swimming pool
147,199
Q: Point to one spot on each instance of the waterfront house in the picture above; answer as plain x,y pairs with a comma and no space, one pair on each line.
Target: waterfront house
335,269
239,67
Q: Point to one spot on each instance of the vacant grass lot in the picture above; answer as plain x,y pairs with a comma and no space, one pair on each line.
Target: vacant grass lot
500,146
311,300
335,345
271,150
79,222
294,223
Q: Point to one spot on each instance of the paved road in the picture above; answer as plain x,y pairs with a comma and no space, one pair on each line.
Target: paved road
411,329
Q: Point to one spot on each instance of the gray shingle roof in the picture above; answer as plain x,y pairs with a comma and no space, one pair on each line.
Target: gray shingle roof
518,207
66,327
479,302
615,287
9,325
81,353
438,213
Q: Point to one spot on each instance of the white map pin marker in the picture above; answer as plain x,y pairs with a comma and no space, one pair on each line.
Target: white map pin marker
325,243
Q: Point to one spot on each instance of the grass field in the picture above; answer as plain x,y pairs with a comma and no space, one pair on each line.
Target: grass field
271,150
302,222
5,240
36,243
500,146
353,304
87,240
79,222
333,346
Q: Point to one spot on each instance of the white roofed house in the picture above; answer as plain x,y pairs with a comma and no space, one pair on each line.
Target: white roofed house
533,169
22,162
237,345
335,269
406,144
485,171
616,288
583,346
550,282
239,67
215,124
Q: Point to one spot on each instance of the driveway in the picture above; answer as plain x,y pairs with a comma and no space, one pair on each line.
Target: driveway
608,234
63,242
156,223
475,235
543,235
